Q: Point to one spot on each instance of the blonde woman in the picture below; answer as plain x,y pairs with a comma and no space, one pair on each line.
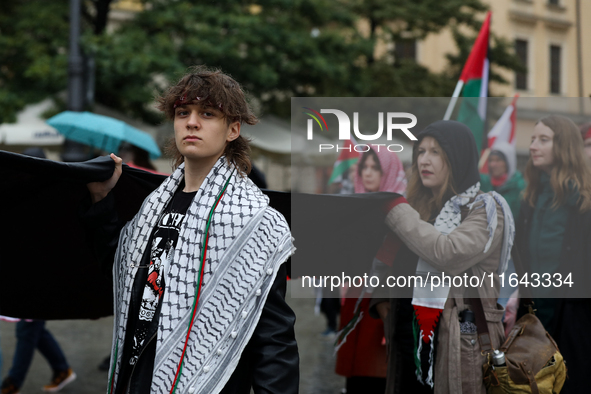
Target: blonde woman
554,235
448,226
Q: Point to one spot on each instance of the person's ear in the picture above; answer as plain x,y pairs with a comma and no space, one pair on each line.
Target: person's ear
234,131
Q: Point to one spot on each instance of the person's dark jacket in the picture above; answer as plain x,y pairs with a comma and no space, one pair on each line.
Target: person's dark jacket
269,362
572,316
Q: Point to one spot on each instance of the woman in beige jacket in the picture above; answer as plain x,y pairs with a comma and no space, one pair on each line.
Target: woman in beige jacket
448,228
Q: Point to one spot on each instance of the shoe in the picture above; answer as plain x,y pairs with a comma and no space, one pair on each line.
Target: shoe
8,387
60,380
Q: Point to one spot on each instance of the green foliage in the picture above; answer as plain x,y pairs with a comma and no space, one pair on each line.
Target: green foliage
276,48
10,104
270,49
501,54
33,43
405,79
416,18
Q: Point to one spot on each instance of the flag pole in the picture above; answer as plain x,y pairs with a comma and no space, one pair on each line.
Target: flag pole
484,100
472,60
454,99
483,159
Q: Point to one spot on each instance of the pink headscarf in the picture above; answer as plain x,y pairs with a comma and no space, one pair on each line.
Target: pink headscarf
393,176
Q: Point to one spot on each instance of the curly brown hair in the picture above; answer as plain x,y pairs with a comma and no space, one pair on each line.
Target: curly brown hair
217,90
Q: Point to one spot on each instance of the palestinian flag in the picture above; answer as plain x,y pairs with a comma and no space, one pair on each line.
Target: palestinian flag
347,158
474,79
502,131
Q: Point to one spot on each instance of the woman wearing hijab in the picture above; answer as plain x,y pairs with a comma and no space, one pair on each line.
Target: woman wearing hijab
447,226
554,235
362,357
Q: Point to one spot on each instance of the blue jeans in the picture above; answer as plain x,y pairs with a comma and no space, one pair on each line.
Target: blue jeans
30,336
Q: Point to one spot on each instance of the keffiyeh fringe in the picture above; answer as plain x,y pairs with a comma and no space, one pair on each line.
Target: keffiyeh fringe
248,241
448,220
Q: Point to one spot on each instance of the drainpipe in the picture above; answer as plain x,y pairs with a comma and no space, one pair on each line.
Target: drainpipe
579,55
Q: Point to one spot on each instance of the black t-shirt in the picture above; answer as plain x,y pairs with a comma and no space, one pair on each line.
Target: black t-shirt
146,295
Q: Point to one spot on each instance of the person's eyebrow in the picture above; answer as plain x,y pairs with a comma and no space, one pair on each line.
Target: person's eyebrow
209,107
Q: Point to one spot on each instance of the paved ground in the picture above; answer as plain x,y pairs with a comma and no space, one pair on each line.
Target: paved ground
86,343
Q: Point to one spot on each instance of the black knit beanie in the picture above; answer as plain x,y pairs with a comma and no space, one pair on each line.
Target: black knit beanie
457,140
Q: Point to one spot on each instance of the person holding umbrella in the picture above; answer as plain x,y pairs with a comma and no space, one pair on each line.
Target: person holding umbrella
199,277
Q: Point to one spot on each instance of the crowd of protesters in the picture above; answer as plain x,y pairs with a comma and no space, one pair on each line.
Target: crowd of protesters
550,208
446,217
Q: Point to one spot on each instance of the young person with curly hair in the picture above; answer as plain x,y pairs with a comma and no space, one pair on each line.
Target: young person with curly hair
199,278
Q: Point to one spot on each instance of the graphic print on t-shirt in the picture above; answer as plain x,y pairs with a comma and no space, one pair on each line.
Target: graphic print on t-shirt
164,241
160,253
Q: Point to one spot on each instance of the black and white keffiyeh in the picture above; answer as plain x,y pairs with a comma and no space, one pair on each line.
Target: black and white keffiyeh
448,220
457,141
429,302
248,241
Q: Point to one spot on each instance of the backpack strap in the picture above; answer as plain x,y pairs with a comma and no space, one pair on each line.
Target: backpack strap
481,326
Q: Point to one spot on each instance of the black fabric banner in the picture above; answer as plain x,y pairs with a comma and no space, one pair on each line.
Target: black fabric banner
47,266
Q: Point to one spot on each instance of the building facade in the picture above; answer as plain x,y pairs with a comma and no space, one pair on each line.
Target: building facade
552,40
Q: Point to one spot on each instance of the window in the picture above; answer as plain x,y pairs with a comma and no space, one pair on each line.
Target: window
554,2
555,69
405,49
521,52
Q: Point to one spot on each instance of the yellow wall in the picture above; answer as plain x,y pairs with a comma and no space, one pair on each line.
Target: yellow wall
541,25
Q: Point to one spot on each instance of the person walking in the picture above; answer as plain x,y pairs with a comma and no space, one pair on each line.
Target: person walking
447,226
31,336
198,273
554,234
